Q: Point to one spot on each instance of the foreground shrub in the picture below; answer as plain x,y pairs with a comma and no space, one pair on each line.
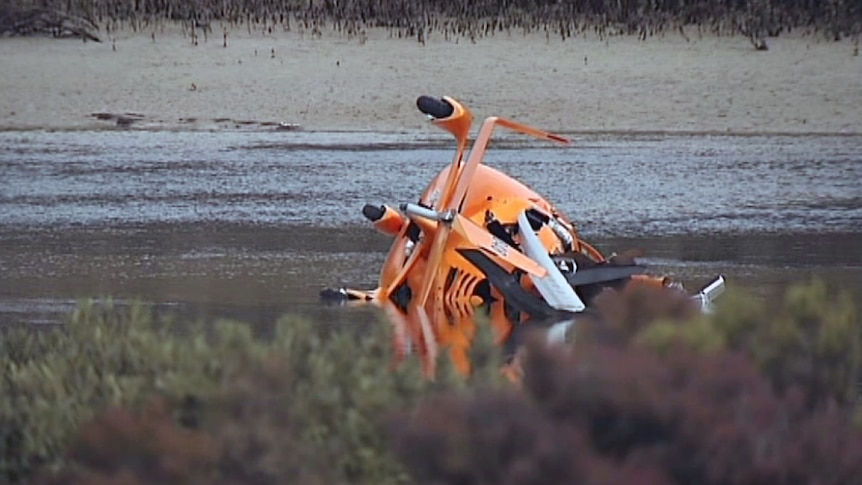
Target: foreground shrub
305,403
257,441
609,415
620,317
649,397
650,394
105,355
813,341
311,412
147,447
54,379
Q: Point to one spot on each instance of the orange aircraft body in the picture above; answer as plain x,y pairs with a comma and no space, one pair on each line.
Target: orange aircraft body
478,241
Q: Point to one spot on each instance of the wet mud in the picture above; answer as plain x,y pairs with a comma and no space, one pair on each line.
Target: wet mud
251,225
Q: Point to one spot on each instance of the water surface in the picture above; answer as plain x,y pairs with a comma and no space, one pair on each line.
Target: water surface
251,225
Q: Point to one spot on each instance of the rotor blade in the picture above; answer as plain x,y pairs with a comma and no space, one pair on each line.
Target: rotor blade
479,237
458,175
468,169
553,285
535,132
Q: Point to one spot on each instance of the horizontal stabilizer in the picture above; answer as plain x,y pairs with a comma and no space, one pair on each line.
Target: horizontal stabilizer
602,274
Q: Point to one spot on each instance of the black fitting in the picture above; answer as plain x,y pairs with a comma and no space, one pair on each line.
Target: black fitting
373,212
536,219
434,107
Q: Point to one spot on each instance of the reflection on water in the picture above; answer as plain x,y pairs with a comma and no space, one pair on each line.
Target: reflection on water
250,225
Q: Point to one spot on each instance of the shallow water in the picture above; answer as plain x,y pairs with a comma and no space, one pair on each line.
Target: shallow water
251,225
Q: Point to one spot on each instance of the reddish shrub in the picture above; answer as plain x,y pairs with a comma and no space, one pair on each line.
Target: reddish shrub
618,316
503,439
606,415
123,447
263,428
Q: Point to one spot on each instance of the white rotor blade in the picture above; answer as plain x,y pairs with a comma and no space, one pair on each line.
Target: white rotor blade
553,286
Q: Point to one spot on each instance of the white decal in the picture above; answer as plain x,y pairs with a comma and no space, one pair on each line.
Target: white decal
499,247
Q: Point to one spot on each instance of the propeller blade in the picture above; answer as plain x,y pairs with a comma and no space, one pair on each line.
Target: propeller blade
452,196
452,177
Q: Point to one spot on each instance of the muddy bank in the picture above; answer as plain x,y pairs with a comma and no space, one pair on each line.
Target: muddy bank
159,79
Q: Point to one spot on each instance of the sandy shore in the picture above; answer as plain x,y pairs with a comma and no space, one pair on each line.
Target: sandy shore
707,84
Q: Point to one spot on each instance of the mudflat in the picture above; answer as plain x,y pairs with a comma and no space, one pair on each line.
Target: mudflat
158,79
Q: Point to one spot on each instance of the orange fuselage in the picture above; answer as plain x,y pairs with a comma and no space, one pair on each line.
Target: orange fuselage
471,212
492,194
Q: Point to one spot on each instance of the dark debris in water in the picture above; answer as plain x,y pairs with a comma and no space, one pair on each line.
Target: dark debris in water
122,120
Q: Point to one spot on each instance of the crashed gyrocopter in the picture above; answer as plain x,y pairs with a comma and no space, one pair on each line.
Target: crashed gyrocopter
479,241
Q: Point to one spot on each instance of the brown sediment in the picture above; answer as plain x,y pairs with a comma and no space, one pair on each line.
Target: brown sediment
697,84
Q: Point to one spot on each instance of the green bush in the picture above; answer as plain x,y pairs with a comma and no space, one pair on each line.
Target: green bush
754,394
813,341
606,414
328,388
309,404
103,355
